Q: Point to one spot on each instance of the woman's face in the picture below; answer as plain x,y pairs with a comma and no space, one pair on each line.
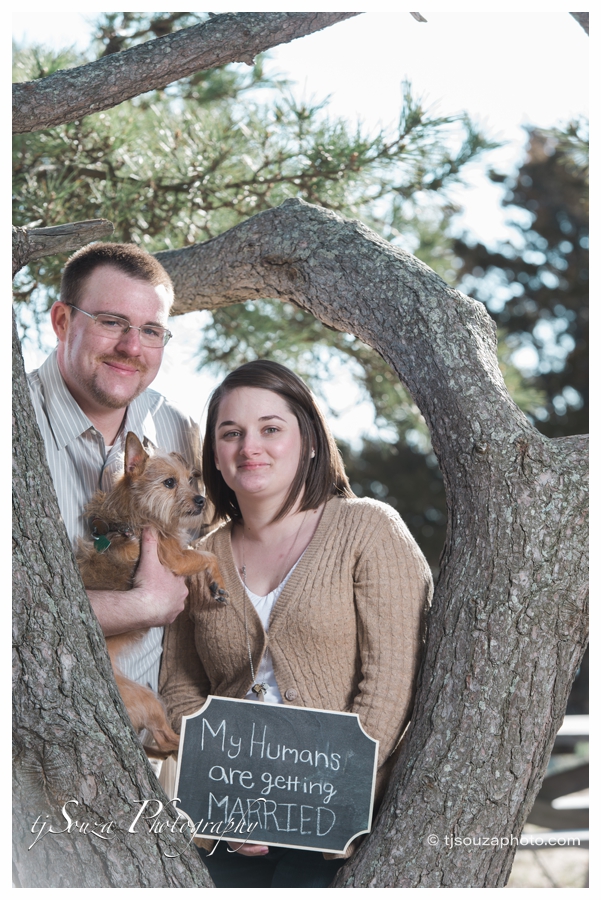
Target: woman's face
257,444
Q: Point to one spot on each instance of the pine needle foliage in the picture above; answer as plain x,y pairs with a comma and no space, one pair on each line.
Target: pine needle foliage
182,165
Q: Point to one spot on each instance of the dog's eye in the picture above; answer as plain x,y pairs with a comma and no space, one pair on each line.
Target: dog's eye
170,482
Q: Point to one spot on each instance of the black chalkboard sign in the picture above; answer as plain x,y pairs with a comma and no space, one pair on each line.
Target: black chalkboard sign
272,774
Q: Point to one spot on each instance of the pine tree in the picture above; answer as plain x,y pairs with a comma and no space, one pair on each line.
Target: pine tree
536,286
183,165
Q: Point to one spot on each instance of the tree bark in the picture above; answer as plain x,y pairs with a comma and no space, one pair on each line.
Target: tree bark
508,626
582,19
35,243
232,37
72,740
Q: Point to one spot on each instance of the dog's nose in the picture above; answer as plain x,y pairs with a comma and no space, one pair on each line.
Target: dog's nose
199,501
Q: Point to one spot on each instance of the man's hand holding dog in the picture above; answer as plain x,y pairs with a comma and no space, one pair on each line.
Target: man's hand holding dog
157,597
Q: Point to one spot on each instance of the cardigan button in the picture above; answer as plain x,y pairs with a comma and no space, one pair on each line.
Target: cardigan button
291,694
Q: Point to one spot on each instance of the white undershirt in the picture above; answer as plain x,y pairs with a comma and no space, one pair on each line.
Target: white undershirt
265,673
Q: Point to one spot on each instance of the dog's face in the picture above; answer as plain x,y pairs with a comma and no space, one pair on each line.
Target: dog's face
164,486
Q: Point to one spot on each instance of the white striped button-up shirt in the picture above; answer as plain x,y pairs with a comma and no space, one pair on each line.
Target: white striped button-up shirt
80,465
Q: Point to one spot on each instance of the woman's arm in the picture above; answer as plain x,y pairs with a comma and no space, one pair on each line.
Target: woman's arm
183,682
393,590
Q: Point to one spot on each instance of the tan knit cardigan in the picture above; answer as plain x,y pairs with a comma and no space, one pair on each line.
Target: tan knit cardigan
345,634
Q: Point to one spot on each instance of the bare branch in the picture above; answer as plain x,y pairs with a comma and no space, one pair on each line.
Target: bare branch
34,243
233,37
582,19
274,254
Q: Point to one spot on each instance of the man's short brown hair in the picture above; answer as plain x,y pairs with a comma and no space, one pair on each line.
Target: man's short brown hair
127,258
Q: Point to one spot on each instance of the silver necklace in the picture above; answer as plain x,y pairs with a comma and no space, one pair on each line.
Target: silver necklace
260,688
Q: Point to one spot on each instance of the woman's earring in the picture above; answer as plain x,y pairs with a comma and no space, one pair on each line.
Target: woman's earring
312,454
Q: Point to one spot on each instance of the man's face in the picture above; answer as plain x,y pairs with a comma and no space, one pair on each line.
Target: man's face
106,372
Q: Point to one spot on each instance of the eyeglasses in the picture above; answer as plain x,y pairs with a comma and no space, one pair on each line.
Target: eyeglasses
150,335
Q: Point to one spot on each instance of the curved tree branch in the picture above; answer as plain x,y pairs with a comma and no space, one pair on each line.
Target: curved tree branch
232,37
508,626
34,243
278,253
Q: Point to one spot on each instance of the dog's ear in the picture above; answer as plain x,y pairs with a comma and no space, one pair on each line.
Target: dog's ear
135,455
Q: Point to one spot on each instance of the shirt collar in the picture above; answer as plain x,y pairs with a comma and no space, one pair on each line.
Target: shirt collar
139,416
67,419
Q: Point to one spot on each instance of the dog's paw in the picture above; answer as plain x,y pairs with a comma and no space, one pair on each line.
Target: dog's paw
217,593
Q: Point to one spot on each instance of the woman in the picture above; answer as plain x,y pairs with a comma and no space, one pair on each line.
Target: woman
337,583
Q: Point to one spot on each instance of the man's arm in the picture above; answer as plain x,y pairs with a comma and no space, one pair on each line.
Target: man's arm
157,597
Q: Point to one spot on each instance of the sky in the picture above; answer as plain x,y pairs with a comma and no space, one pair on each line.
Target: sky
506,69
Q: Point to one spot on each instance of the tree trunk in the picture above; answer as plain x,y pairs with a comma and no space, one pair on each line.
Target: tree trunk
508,624
509,621
233,37
72,737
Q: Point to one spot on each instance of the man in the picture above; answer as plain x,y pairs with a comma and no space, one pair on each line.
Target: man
111,324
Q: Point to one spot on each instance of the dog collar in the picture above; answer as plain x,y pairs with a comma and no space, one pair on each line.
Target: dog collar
103,533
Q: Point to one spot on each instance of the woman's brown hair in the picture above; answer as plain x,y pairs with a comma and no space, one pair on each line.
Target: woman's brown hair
317,478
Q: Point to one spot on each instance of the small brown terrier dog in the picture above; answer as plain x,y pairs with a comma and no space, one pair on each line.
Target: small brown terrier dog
155,490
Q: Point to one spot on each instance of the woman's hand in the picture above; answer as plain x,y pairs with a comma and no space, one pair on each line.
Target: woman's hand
248,849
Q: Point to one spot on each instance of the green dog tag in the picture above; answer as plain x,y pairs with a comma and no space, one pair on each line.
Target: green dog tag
101,543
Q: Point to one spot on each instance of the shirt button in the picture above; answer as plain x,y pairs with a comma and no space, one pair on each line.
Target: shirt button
291,694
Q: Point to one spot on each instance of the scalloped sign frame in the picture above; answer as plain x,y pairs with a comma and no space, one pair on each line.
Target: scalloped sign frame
285,776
